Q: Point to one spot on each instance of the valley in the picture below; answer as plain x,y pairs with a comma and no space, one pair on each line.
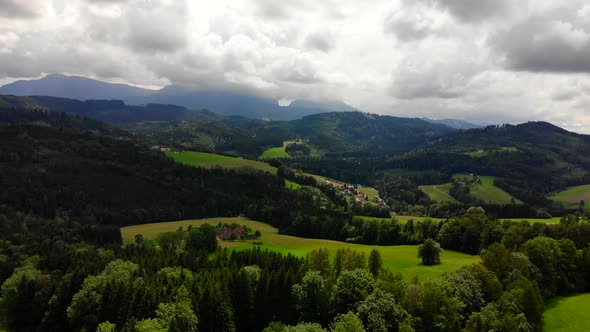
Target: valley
294,166
127,210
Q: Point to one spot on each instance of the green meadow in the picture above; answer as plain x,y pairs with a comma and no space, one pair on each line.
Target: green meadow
554,220
485,191
572,196
401,259
274,153
567,314
439,193
209,160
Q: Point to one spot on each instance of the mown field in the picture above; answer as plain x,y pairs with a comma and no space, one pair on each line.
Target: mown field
568,314
485,191
401,259
209,160
571,197
439,193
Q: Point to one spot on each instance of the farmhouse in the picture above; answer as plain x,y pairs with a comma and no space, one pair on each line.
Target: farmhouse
226,233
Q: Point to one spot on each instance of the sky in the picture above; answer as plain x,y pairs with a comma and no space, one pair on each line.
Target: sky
486,61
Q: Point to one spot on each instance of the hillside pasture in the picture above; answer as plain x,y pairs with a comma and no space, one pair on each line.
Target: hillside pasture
401,259
485,191
439,193
274,153
277,152
571,197
567,314
209,160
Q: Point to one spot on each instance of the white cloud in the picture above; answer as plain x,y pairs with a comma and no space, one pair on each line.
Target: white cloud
498,61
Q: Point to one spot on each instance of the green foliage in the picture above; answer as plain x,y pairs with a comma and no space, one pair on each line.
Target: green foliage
151,325
348,322
312,297
304,327
381,312
87,305
351,288
106,327
429,252
15,292
375,262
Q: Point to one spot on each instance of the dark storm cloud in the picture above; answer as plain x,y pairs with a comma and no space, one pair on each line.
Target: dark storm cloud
549,43
21,8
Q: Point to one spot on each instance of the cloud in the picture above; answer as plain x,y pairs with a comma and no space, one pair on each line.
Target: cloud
26,9
154,28
414,22
474,11
552,42
321,39
495,61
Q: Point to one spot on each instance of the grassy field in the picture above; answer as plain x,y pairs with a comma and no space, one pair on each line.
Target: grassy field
439,193
369,191
397,258
553,220
490,193
402,219
486,191
572,196
209,160
274,153
567,314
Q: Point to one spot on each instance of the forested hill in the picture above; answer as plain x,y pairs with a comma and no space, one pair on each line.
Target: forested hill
358,132
51,162
533,159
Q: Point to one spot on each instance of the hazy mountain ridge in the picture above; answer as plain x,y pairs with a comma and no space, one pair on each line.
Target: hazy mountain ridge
220,101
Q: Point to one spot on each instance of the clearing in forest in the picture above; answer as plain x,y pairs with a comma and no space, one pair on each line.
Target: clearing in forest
401,259
572,196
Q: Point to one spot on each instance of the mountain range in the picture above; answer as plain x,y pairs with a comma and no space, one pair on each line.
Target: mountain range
219,101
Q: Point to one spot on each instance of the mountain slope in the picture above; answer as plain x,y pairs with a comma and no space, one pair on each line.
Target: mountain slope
74,87
220,101
357,132
454,123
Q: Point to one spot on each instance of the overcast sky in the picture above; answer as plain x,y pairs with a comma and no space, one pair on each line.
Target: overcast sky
484,60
